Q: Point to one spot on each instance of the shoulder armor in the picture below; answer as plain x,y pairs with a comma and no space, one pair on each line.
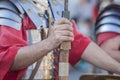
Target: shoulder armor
108,28
19,7
7,5
30,10
9,15
109,13
57,7
108,20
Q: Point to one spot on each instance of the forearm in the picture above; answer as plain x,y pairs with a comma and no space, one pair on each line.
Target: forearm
30,54
115,54
98,57
61,32
112,47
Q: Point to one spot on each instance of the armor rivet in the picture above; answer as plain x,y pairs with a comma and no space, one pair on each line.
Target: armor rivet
55,2
22,1
58,13
29,10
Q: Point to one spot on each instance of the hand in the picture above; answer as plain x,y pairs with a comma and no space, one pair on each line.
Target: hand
60,32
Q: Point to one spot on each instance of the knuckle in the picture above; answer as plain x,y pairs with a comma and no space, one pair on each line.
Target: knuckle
63,19
69,33
57,37
69,38
67,26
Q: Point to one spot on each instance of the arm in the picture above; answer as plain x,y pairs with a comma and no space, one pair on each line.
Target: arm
112,47
98,57
27,55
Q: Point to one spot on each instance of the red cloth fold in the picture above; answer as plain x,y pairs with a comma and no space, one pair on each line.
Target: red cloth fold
11,40
78,46
7,60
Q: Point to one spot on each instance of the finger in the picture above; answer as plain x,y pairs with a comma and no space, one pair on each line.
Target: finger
62,21
72,21
65,33
64,27
66,38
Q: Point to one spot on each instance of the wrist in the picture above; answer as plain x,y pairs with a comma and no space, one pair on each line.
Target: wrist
48,46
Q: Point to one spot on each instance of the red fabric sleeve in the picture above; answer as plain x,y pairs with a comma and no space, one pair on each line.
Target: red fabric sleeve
11,41
78,46
28,24
105,36
95,12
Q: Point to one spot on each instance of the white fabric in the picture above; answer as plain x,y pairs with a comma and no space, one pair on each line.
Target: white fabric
41,5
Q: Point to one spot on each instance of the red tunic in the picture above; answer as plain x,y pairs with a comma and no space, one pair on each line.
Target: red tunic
11,40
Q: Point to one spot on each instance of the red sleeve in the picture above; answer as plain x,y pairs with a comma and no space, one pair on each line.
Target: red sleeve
78,46
11,41
105,36
28,24
95,12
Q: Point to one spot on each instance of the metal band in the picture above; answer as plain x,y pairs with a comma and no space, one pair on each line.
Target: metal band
109,7
110,19
8,5
19,7
10,23
10,15
110,12
108,28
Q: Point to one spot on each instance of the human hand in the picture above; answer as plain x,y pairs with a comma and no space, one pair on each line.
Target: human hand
61,31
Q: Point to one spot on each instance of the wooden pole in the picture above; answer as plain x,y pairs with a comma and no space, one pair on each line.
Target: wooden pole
64,51
64,61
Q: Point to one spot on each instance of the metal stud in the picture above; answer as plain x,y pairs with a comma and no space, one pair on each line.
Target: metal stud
55,2
29,10
22,1
58,13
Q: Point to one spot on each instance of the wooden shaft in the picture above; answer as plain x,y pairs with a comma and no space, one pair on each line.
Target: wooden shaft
64,61
63,65
35,70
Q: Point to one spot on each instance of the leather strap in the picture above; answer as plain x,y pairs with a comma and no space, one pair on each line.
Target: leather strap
35,70
43,36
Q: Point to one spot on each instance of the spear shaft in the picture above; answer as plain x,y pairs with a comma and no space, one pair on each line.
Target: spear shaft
64,50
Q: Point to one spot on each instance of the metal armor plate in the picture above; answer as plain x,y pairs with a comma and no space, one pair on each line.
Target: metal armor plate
108,20
108,28
9,15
